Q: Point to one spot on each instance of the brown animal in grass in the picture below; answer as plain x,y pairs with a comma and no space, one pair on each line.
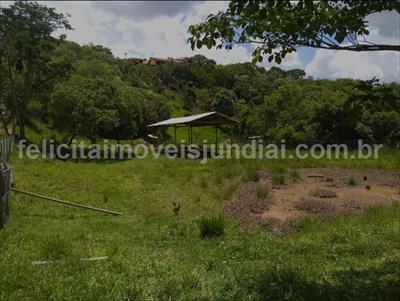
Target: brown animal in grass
176,208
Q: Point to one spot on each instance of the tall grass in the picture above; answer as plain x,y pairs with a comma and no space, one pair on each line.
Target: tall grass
211,226
348,258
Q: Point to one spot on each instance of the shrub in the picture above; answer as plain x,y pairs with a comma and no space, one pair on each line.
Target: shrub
294,175
323,193
55,247
203,183
262,191
278,180
250,175
278,169
211,226
351,181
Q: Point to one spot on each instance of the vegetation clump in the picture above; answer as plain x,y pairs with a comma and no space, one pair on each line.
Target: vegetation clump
278,180
250,174
262,191
323,193
320,208
351,181
55,248
294,176
211,226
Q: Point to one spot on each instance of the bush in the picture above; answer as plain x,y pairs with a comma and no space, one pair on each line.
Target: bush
211,226
294,175
55,247
203,183
262,191
351,181
250,175
278,180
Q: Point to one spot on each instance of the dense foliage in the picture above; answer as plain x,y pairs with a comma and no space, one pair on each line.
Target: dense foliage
86,91
278,27
25,41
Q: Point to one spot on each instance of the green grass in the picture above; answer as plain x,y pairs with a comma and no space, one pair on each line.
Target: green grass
155,255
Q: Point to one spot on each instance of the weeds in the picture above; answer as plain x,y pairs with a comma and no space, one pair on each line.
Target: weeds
55,248
262,191
211,226
278,180
323,193
203,183
294,176
250,175
151,251
351,181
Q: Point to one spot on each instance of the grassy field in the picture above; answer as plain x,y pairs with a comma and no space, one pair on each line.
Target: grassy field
154,255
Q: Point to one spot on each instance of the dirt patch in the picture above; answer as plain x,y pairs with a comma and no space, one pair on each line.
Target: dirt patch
323,193
326,196
246,203
320,208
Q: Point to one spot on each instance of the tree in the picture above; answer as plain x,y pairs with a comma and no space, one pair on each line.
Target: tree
156,109
223,101
25,40
278,27
95,102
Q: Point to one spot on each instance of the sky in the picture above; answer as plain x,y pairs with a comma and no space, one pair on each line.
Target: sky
159,28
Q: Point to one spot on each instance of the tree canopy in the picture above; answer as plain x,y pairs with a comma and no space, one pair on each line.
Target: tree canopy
279,27
25,40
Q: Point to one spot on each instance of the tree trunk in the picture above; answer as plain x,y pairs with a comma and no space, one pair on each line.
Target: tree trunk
28,77
21,131
13,105
5,127
70,140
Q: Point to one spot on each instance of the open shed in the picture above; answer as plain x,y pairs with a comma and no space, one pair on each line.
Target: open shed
205,119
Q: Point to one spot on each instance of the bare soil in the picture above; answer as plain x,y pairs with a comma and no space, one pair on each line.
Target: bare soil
324,193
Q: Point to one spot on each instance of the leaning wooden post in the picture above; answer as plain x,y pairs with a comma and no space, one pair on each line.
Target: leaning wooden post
65,202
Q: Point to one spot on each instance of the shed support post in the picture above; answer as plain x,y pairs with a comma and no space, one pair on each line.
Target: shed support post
216,137
175,134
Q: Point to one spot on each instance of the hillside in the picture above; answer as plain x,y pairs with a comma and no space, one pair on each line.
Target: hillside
91,93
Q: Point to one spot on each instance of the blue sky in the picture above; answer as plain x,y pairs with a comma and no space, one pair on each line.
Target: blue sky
159,28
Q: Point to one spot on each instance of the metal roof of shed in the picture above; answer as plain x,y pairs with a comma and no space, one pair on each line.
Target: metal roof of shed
209,118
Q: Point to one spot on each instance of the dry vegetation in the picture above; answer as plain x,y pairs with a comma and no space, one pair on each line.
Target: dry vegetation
322,193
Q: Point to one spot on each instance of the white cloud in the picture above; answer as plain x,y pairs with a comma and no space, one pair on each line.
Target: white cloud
385,65
164,36
291,61
116,26
366,65
87,23
144,10
387,23
167,36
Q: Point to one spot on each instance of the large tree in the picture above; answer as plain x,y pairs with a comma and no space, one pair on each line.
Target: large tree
278,27
95,102
25,41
